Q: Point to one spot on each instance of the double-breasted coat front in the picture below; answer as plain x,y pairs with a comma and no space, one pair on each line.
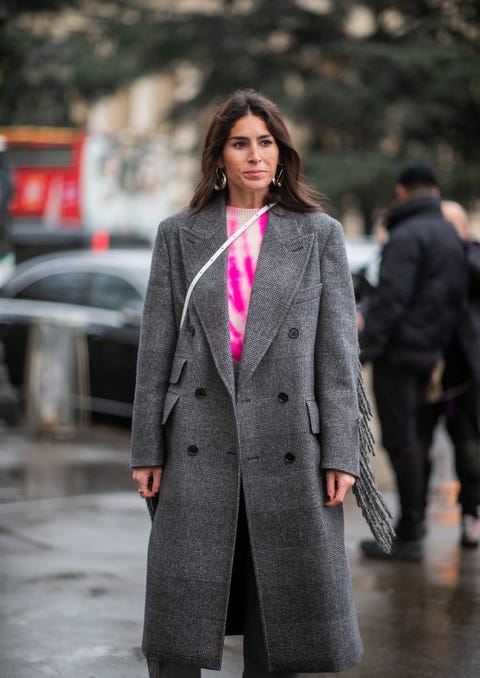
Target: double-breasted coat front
292,414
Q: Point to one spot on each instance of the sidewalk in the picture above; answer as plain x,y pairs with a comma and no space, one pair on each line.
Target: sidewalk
72,577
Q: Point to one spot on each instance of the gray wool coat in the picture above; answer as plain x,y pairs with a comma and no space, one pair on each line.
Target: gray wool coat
293,414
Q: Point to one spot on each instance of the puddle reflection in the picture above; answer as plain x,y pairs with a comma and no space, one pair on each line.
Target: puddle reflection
42,469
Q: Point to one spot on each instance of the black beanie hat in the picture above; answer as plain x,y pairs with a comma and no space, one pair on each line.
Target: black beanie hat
417,172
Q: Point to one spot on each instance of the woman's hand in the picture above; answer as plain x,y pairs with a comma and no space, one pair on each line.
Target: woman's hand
337,484
360,322
147,479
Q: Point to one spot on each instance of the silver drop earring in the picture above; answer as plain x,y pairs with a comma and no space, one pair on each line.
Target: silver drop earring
221,178
277,179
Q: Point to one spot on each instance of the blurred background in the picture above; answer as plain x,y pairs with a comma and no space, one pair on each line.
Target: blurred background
104,104
103,110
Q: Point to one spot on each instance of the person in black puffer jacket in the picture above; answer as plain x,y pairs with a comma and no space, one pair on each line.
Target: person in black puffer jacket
408,322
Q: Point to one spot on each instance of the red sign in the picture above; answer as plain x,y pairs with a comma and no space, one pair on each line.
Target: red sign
46,168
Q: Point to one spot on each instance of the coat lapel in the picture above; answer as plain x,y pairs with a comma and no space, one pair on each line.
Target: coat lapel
281,264
198,242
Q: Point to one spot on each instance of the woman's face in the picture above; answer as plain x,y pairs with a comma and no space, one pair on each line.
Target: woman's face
249,159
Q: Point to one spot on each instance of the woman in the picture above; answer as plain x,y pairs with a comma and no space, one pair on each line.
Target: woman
246,416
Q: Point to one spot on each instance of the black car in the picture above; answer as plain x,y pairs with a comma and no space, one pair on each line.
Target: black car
103,292
100,291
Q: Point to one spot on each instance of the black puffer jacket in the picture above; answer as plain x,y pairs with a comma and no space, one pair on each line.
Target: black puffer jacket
413,311
466,338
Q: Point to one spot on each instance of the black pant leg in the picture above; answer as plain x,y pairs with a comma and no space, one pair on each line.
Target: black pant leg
429,415
463,426
399,393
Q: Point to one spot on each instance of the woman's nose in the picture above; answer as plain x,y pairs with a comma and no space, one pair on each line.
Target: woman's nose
255,154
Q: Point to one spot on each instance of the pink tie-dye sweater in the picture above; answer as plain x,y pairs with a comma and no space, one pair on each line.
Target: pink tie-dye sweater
242,262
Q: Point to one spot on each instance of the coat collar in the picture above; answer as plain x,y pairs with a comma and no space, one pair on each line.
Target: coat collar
283,257
412,207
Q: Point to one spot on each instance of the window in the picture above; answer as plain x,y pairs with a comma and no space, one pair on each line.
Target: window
112,292
40,157
64,288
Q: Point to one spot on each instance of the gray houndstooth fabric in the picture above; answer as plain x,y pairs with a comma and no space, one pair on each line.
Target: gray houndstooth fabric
294,413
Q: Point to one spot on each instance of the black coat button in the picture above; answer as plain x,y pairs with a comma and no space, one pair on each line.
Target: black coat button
200,393
293,333
192,450
283,397
191,330
289,458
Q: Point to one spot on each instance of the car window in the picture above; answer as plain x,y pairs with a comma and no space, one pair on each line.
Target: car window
112,292
65,288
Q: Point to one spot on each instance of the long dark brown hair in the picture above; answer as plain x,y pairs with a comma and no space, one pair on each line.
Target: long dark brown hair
294,194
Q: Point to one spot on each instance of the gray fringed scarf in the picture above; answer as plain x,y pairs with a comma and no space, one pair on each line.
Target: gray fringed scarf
370,501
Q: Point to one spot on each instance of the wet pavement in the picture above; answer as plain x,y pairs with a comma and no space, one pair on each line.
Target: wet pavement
73,539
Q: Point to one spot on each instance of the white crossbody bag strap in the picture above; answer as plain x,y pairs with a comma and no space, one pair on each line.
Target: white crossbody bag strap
215,256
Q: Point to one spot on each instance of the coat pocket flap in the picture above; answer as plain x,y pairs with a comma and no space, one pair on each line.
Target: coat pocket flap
314,416
168,405
177,367
307,294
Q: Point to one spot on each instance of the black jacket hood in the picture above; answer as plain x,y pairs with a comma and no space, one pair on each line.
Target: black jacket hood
412,207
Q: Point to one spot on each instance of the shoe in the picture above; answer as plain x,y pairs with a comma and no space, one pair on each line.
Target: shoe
401,550
470,532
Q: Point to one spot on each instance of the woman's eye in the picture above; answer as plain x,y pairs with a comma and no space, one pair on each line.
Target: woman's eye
239,144
267,142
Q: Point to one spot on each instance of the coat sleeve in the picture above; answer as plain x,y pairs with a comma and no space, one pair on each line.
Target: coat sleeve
336,359
346,440
158,338
398,277
473,262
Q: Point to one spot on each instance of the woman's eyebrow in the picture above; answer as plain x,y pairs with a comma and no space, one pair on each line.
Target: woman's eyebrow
262,136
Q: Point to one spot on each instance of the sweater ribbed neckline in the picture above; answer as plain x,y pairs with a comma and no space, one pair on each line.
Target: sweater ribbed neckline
241,213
